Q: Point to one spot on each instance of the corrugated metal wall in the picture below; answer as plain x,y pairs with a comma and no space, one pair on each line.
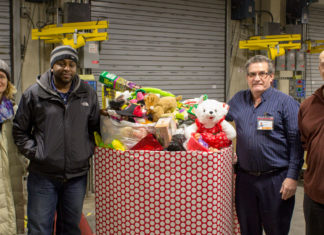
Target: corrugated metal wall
315,31
5,48
174,45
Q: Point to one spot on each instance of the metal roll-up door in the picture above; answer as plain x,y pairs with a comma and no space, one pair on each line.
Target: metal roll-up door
174,45
315,31
5,48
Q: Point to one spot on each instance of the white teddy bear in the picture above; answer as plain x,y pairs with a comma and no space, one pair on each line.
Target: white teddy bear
210,126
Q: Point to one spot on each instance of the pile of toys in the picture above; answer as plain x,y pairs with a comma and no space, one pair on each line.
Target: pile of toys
146,118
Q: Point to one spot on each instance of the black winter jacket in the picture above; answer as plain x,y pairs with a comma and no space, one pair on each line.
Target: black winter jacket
56,138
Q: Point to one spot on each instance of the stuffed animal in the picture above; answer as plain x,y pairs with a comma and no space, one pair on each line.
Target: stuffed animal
165,105
160,107
150,101
210,125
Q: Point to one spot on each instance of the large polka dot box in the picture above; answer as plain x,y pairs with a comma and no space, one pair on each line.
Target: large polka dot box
158,192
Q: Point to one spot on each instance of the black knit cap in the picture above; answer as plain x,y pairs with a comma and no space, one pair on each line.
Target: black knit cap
63,52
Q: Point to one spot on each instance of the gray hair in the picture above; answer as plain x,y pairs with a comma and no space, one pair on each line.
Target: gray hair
260,59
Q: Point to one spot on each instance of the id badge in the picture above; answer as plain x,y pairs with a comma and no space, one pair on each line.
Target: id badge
265,123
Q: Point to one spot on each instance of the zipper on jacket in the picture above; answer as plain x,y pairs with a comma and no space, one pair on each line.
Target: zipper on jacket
65,150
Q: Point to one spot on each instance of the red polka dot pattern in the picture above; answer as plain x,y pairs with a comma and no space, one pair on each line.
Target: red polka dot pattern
157,192
236,224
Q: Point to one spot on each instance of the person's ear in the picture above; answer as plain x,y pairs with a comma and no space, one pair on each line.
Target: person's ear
271,77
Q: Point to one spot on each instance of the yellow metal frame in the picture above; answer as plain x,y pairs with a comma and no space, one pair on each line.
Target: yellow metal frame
73,34
314,46
274,44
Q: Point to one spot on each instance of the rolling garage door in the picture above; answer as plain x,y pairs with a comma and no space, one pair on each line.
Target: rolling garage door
174,45
315,31
5,48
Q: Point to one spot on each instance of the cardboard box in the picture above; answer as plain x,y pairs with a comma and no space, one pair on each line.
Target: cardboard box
165,127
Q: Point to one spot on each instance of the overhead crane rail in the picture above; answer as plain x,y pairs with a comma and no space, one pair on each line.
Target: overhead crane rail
73,34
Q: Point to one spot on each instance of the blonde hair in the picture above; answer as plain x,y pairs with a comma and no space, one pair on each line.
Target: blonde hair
10,91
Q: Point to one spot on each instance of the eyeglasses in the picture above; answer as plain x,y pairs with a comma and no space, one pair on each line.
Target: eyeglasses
261,74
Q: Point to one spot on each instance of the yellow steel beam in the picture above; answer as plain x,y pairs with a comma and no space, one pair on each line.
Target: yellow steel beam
264,42
68,28
73,34
265,46
314,46
88,36
285,41
274,44
281,37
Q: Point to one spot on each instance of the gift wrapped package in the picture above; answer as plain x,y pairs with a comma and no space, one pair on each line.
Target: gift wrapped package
161,192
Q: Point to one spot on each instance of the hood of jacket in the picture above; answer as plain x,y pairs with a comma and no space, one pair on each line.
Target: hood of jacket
44,81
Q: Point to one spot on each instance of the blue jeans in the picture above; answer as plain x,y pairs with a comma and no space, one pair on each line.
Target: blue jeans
47,195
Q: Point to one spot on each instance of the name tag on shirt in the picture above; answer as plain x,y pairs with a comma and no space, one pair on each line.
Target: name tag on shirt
265,123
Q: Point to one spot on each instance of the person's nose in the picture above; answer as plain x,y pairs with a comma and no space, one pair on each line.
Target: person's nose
257,77
67,67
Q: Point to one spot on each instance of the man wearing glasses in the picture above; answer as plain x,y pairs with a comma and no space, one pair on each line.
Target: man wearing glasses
269,152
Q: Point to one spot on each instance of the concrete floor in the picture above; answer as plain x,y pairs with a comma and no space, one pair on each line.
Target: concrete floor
297,223
89,210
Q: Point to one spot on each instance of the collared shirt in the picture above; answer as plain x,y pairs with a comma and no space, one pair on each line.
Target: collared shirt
264,150
64,96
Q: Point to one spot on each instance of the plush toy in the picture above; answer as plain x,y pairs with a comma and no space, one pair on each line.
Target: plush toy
160,107
165,105
118,145
210,125
150,101
139,99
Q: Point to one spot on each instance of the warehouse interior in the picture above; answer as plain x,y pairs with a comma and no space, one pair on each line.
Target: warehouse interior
186,47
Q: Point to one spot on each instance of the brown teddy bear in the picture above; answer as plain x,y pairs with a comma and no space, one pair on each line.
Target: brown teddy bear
150,101
157,107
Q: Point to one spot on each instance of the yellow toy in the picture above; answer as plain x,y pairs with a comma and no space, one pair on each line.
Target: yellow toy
118,145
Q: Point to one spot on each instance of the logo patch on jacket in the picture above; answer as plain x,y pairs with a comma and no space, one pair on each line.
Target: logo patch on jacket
85,103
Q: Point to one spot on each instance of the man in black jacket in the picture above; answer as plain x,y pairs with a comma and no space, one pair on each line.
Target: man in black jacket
54,128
